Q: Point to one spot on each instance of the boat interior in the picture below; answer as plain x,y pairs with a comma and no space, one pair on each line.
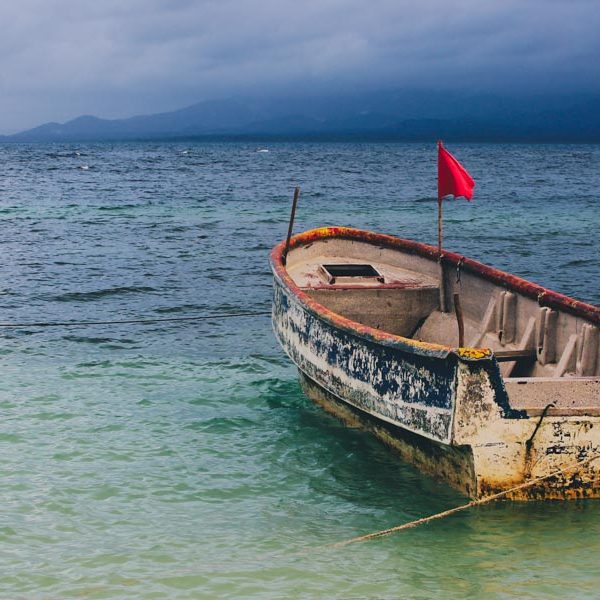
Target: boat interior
399,292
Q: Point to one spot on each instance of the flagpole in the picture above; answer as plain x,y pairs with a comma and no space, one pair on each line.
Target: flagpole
440,215
453,180
443,306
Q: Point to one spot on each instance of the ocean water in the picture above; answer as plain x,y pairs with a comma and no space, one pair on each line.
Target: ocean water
181,460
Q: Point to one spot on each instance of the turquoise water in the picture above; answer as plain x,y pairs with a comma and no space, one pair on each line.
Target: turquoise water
181,460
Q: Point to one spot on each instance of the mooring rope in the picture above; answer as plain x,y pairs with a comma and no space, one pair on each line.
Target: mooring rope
137,321
451,511
270,559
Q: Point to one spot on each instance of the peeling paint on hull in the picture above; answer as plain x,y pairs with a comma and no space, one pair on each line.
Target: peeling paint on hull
502,456
451,464
402,388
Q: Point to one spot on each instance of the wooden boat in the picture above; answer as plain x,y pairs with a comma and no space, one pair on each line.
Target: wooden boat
359,314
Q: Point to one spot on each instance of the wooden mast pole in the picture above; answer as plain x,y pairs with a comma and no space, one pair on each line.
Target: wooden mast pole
440,231
291,225
443,305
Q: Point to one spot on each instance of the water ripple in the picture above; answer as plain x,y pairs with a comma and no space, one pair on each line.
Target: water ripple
182,460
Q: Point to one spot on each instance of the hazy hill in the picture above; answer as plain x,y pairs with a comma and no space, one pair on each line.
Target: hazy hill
385,115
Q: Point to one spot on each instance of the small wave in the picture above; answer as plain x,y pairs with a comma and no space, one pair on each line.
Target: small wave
84,167
94,295
185,308
96,340
222,425
120,207
260,246
271,220
578,262
73,154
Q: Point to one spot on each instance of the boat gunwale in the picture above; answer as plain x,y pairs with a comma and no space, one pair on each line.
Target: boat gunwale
544,296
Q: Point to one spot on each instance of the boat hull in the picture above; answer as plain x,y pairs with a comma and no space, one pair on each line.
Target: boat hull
447,410
414,391
451,464
475,473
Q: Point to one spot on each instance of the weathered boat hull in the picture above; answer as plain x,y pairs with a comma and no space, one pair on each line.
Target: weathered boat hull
441,461
446,410
478,474
398,386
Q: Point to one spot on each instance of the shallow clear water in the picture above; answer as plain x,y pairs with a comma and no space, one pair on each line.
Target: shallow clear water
182,460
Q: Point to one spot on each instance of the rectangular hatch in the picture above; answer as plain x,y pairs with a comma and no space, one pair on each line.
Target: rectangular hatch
351,273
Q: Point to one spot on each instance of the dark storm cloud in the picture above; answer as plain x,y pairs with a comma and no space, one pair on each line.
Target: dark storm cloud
61,58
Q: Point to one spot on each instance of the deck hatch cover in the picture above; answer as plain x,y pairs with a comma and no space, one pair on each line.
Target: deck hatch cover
350,272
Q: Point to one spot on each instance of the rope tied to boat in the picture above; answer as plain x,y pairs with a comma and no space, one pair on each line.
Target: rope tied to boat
34,324
459,265
529,442
540,297
451,511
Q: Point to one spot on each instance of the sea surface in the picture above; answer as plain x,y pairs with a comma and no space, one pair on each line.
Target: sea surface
181,460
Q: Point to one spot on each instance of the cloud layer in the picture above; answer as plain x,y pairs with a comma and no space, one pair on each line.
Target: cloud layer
61,58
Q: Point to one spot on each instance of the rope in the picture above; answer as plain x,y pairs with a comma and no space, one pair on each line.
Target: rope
136,321
271,558
446,513
459,265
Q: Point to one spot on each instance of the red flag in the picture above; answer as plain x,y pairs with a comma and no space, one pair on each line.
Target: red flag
453,178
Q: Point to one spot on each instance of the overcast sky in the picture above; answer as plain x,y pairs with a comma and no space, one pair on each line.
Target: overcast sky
116,58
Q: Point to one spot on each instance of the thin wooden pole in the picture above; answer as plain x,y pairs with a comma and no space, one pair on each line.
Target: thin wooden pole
440,232
443,306
291,225
460,321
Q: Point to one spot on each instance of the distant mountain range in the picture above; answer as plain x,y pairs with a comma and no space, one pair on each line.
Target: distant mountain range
388,115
